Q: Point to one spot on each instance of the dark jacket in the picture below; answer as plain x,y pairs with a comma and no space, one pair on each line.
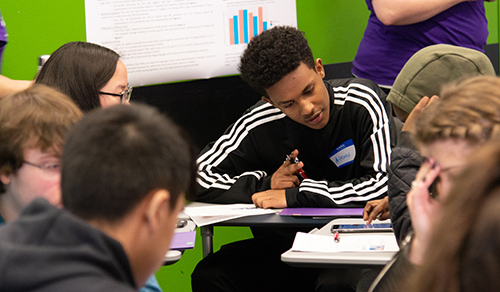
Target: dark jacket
242,161
405,162
48,249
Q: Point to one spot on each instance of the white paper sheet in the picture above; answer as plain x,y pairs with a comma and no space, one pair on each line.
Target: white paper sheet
206,215
169,40
207,220
348,243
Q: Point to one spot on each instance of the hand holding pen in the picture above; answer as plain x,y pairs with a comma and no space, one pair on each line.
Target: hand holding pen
286,176
296,160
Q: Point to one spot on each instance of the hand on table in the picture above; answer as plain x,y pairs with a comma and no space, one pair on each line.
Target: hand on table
270,199
424,210
285,177
376,209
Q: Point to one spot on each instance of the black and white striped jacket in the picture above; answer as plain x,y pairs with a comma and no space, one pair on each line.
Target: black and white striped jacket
242,161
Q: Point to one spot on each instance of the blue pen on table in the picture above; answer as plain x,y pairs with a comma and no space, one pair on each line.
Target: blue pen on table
244,208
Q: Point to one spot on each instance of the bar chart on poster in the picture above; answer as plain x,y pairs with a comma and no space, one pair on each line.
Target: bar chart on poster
245,25
165,40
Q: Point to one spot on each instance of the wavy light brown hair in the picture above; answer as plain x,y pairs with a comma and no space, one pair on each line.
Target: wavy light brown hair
464,252
467,110
38,117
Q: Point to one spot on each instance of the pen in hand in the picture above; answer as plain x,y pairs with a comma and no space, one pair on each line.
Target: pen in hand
299,171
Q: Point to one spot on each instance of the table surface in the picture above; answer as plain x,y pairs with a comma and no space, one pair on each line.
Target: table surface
330,259
270,220
267,220
275,220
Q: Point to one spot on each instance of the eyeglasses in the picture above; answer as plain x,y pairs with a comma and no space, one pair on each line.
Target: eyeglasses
124,96
49,167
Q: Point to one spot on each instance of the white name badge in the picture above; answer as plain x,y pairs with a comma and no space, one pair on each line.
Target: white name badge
344,154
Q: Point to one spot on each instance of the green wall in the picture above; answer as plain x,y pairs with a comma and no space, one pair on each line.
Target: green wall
334,29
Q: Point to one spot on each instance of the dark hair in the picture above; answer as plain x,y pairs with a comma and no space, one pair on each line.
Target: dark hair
272,55
114,157
38,117
465,247
80,70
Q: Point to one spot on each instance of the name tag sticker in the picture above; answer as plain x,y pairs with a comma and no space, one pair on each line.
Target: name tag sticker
344,154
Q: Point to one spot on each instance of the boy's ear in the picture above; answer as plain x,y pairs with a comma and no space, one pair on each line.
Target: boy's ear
5,179
267,100
318,65
157,209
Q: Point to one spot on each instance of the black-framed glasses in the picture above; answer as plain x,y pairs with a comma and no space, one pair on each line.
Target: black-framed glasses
124,96
49,167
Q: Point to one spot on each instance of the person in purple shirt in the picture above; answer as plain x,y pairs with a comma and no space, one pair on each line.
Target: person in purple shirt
397,29
3,39
7,85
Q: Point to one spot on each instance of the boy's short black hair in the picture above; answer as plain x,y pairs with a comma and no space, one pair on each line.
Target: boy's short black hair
272,55
114,157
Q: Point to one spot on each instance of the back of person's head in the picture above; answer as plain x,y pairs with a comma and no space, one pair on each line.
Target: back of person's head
272,55
80,70
467,110
465,253
114,157
38,117
430,68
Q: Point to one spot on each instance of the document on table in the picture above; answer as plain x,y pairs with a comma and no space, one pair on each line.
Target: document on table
206,215
359,242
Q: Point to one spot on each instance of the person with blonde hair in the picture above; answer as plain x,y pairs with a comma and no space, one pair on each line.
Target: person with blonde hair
448,132
466,117
465,253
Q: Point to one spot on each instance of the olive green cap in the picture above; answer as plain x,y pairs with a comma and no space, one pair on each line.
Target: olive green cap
430,68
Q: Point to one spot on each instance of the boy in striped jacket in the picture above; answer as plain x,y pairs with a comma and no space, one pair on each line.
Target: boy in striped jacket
340,129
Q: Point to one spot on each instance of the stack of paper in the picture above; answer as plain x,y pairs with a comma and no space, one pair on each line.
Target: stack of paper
348,243
206,215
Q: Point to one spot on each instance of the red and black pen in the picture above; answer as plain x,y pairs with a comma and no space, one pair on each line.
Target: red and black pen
299,171
336,236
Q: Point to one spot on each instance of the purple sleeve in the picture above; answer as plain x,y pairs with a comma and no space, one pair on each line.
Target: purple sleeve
385,49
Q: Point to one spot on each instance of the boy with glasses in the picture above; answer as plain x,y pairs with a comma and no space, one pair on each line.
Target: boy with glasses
33,126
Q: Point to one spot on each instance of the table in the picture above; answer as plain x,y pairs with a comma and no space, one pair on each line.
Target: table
341,259
268,220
